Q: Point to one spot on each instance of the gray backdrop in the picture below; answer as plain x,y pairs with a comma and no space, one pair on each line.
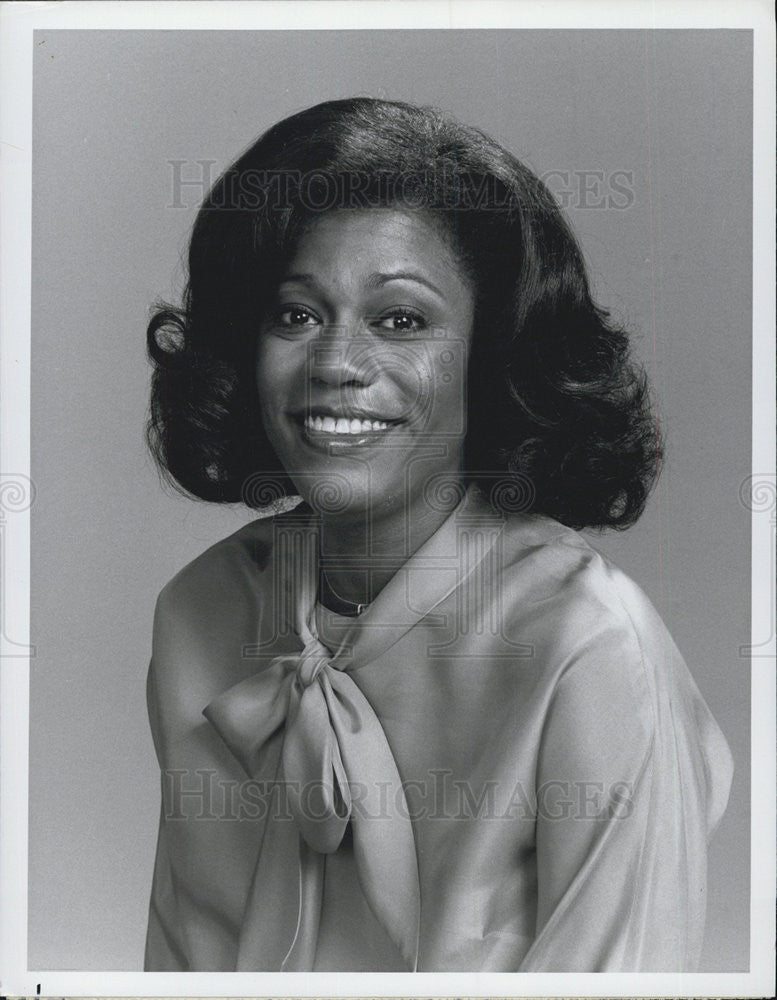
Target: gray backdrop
645,136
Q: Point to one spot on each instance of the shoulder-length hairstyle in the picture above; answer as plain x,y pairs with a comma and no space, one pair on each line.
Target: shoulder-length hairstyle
554,400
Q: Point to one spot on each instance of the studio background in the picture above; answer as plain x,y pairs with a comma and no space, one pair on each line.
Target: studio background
644,136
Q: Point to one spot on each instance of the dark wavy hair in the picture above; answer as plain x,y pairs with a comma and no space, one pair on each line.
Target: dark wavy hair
554,399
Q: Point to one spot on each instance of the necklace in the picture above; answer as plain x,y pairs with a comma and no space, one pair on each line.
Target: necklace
332,600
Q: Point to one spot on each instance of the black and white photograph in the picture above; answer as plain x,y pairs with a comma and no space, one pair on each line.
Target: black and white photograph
388,504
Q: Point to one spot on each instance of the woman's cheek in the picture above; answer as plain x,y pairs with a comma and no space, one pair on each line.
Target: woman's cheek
271,373
276,363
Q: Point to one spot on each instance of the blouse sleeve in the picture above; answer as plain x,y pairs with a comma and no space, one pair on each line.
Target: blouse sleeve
623,816
164,949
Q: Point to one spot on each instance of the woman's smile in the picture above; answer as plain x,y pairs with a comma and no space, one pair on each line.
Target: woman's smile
343,425
327,429
330,431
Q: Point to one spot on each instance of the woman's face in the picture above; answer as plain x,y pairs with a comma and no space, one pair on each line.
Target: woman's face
361,360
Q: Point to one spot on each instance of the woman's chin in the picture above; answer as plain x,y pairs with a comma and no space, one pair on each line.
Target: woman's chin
338,493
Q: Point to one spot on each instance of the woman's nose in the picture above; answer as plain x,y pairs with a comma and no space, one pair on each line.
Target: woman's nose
341,357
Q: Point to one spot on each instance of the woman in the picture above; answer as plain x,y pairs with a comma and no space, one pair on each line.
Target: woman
415,722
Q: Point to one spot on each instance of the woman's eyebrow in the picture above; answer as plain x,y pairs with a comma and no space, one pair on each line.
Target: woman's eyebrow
378,279
375,280
302,279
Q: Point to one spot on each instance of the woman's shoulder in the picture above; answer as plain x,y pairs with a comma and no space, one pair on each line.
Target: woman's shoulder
565,573
592,629
619,686
236,565
207,618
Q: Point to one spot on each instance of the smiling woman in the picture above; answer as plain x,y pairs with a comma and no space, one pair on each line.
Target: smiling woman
415,722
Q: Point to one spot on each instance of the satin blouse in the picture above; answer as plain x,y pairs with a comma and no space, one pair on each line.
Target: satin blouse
502,765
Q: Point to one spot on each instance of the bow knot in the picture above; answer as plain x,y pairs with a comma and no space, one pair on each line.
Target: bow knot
332,743
313,658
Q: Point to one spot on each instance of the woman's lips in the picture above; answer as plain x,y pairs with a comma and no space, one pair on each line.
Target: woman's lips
327,432
345,425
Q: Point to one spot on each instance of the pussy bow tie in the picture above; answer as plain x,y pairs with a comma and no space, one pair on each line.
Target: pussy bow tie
332,743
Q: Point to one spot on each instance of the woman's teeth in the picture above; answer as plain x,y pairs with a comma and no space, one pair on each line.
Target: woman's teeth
341,425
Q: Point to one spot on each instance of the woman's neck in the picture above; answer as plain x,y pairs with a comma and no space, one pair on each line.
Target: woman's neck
360,555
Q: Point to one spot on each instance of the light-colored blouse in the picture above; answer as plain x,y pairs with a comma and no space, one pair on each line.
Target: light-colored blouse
503,764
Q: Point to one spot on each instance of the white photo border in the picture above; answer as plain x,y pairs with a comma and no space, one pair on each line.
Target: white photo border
17,23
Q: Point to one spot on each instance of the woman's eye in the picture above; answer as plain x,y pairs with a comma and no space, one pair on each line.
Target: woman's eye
297,316
402,321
